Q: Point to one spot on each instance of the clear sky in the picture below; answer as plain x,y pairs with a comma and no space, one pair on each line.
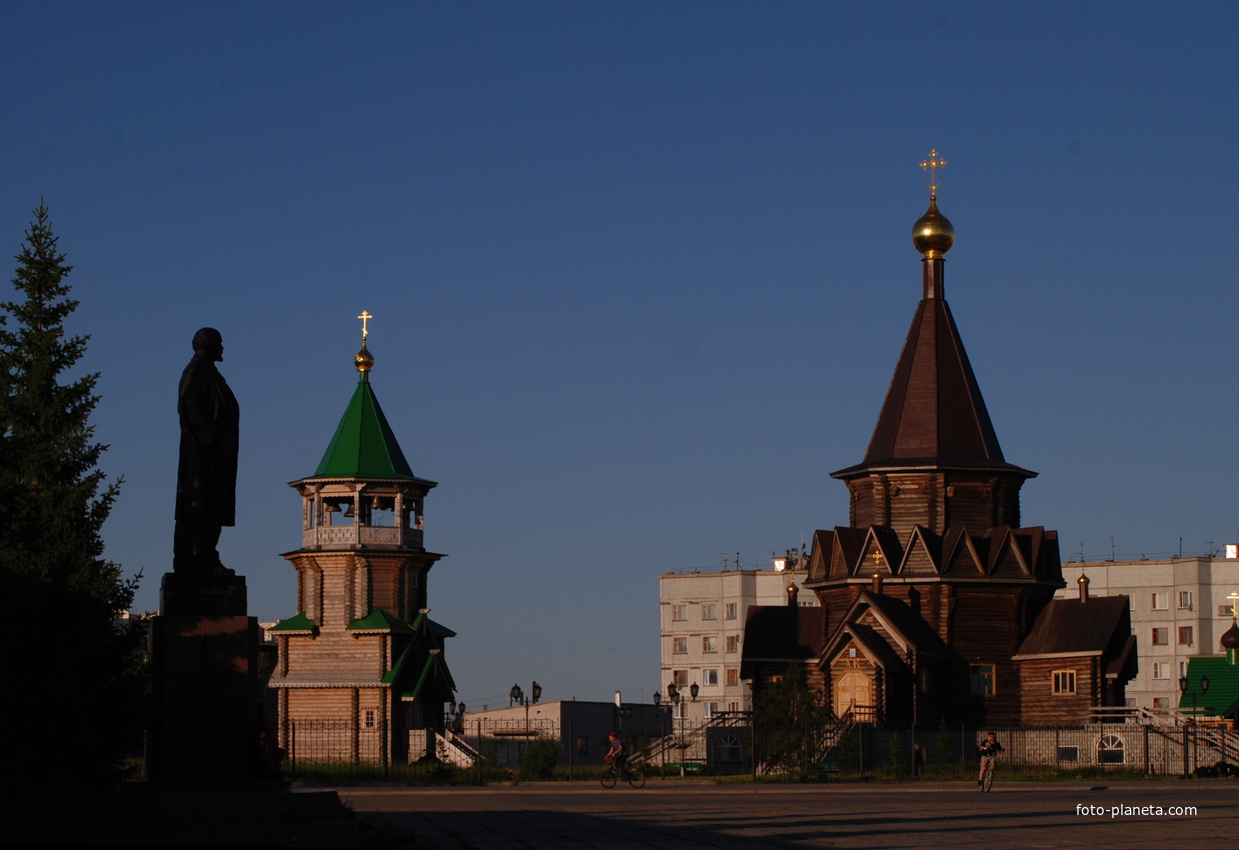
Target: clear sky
640,273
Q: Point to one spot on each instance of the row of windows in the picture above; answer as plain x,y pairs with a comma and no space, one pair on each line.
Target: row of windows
1160,601
1161,636
709,611
731,677
709,643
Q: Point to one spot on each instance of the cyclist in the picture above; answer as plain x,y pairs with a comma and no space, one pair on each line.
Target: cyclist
617,757
989,749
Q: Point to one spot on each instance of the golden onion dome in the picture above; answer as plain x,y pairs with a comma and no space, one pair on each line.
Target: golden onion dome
364,361
933,234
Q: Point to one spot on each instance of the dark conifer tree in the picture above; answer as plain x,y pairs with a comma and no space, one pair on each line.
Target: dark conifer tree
72,694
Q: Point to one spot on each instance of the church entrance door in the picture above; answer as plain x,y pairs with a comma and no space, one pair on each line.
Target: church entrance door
854,690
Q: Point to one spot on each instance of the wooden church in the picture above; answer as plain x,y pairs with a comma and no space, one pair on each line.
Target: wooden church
361,674
931,592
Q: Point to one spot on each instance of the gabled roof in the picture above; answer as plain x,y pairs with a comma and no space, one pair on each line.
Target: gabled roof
933,414
1072,627
786,633
364,445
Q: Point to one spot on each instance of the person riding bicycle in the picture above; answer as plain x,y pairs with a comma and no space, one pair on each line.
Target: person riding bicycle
617,756
989,750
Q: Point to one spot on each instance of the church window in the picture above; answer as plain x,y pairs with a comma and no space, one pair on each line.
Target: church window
368,718
1064,681
1185,635
1161,637
709,643
1161,601
709,612
733,643
731,610
983,679
680,645
1185,599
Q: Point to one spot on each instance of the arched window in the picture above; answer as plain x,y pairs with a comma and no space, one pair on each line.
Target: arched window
727,750
1111,750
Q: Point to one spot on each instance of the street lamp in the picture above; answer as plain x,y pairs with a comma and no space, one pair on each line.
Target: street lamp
673,691
456,718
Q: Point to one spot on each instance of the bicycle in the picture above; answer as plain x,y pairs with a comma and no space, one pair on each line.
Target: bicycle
633,775
987,776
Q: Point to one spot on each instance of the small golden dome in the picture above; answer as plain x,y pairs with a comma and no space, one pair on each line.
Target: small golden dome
933,234
364,360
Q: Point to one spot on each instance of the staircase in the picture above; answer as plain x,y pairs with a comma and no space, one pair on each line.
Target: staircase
450,748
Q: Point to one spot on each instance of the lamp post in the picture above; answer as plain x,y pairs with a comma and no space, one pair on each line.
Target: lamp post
658,698
673,692
456,718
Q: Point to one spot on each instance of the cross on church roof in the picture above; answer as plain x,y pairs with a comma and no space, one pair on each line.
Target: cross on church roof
365,317
932,164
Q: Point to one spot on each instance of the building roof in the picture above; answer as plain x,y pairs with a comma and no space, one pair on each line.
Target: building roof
933,414
787,633
1072,627
296,623
364,445
1222,698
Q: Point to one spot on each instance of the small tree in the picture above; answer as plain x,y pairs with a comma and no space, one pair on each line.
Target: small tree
790,724
73,687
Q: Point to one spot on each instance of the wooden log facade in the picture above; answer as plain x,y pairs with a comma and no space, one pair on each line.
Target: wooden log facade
934,591
361,670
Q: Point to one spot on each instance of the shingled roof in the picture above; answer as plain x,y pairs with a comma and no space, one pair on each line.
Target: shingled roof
781,633
1069,626
934,414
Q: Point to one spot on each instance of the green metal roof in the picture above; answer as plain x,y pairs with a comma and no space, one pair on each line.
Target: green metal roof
364,445
1223,690
379,620
296,623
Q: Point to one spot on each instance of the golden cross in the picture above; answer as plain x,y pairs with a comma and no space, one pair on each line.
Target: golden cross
877,558
932,164
365,317
1234,600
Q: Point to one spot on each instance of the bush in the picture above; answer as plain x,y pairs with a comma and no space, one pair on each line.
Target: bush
539,759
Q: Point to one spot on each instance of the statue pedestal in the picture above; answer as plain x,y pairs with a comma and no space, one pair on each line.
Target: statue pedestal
204,681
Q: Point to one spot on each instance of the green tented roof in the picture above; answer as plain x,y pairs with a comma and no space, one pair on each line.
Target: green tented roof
364,445
1223,690
296,623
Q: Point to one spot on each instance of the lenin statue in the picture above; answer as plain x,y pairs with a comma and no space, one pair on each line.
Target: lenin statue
206,479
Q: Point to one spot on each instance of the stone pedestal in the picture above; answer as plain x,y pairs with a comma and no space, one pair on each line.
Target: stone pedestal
204,676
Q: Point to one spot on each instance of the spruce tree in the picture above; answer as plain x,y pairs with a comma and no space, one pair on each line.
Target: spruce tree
72,696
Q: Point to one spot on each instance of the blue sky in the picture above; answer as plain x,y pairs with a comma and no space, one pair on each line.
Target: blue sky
640,272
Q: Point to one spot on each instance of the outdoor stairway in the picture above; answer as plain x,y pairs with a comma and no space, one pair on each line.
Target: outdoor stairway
452,749
676,748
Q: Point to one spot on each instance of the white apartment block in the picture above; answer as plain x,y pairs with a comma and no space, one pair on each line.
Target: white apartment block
1179,609
702,627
